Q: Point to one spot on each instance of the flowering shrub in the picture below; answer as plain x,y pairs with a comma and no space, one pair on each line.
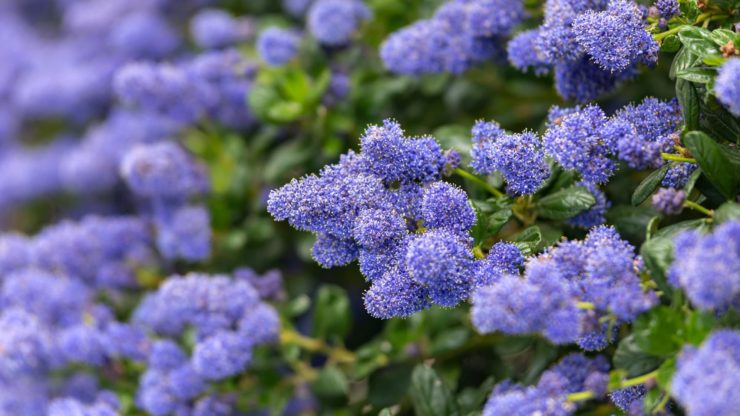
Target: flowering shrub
312,207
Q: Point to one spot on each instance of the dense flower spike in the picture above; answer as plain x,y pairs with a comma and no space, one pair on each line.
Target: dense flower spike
616,38
706,378
460,34
656,128
630,399
277,46
332,22
583,140
519,157
548,396
726,85
707,267
669,201
213,29
599,270
667,8
678,174
524,55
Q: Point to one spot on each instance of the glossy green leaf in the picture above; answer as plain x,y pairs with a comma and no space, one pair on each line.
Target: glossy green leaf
688,99
649,185
727,212
698,75
665,373
657,332
332,316
713,162
389,385
698,41
565,203
528,240
331,385
633,359
429,395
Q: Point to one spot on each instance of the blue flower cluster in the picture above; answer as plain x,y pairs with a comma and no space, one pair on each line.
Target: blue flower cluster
166,177
726,85
630,400
591,45
575,372
333,22
228,320
216,29
586,140
519,157
707,378
707,267
278,46
600,271
460,34
388,208
669,201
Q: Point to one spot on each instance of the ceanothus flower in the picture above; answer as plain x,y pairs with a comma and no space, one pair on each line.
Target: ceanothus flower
332,22
707,267
678,174
446,206
656,125
278,46
395,294
375,228
184,233
330,251
440,261
629,398
726,86
616,38
26,345
166,355
519,157
669,201
667,8
524,55
503,258
549,396
707,378
581,139
582,80
214,29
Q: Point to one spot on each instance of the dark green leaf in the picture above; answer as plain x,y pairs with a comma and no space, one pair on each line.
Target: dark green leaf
652,400
698,41
331,385
698,325
385,412
284,111
528,240
565,203
670,44
722,36
665,373
632,359
657,332
683,59
492,214
688,99
388,385
727,211
649,185
429,395
658,251
713,162
698,75
719,122
332,316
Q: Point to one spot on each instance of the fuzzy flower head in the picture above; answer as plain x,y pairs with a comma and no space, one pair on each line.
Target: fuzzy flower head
278,46
678,174
582,140
519,157
707,267
596,215
524,55
213,29
656,125
667,8
669,201
616,37
727,87
707,379
332,22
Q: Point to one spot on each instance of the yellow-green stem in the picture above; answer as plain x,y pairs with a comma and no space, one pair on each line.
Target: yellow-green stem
677,158
338,354
469,176
587,395
696,207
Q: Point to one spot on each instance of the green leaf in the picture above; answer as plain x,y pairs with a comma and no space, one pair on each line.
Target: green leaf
713,162
652,400
332,316
657,332
719,122
658,251
492,214
727,212
665,373
698,41
331,385
698,325
565,203
688,99
284,111
385,412
698,75
429,395
714,60
670,44
632,359
649,185
684,59
388,385
528,240
722,36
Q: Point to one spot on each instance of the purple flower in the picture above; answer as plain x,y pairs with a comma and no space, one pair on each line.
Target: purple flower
184,233
667,8
707,267
278,46
669,201
726,86
655,123
707,377
524,54
221,355
596,215
214,29
678,174
332,22
447,206
395,295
